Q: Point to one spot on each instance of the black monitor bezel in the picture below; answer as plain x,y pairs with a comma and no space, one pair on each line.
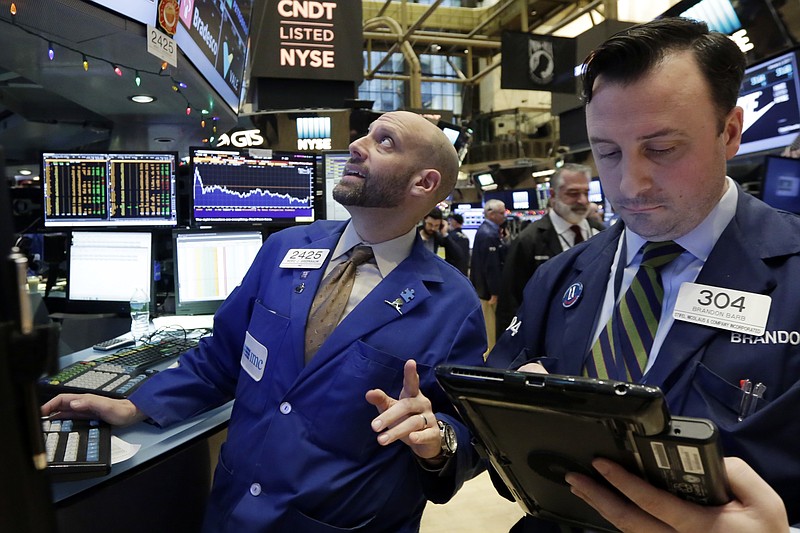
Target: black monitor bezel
67,226
765,176
323,173
749,152
119,308
208,307
259,223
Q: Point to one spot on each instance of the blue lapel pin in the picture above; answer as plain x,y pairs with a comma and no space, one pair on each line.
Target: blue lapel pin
572,294
406,296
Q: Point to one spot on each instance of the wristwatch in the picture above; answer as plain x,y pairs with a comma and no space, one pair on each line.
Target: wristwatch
449,440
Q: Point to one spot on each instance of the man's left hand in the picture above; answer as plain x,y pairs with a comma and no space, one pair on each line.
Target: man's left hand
409,419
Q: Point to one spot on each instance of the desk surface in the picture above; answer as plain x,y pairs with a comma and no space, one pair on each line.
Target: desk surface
155,442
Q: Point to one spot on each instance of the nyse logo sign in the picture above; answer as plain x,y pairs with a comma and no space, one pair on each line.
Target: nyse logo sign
314,133
241,139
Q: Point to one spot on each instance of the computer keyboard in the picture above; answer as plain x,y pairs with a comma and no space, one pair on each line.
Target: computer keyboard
116,375
77,449
147,355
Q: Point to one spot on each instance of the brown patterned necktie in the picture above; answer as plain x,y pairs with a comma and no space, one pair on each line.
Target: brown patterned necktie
331,299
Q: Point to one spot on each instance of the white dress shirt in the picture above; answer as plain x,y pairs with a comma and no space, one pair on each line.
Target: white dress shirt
698,244
388,255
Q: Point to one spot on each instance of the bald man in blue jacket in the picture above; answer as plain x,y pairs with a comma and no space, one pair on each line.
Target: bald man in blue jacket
360,436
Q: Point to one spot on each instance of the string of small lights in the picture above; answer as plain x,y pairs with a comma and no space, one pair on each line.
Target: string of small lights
87,61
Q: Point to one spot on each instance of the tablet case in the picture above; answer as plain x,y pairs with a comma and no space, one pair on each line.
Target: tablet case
534,428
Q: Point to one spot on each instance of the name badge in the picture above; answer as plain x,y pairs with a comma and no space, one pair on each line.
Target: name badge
744,312
254,357
309,258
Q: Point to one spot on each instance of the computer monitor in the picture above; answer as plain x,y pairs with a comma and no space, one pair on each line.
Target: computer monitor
118,189
252,186
470,233
451,131
333,167
514,199
770,97
209,265
459,136
756,26
484,181
105,268
780,185
473,216
595,191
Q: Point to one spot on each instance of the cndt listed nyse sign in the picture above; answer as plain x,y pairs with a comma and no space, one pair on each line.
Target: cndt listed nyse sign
306,33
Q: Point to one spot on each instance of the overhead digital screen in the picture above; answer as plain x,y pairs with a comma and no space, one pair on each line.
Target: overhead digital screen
214,36
770,97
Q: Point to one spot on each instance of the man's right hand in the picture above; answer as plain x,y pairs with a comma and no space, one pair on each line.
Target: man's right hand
756,506
115,412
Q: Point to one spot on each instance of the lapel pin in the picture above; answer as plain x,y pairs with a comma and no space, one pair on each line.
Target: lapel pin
304,274
397,304
572,295
300,288
407,295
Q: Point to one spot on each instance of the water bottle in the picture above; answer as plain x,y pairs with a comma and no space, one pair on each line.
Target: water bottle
140,314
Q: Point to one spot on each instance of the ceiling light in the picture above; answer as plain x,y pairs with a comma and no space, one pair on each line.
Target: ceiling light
25,172
142,98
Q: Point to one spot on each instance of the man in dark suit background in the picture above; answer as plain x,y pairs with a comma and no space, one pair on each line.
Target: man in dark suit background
564,226
486,267
460,240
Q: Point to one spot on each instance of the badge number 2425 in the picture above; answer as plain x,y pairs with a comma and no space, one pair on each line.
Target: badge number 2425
308,255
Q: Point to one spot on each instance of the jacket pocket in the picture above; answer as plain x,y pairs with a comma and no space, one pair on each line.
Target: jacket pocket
721,400
342,422
264,341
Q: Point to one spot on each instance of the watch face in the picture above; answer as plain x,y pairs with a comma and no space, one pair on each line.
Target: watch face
449,441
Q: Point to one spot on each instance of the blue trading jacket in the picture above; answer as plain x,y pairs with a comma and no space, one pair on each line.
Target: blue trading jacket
300,454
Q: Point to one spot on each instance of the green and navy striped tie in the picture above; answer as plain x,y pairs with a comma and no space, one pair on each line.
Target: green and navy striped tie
634,321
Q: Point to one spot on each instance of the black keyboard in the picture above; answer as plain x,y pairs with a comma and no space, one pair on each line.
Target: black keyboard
147,355
77,449
117,375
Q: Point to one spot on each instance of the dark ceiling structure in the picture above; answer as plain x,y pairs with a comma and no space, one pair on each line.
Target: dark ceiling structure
58,105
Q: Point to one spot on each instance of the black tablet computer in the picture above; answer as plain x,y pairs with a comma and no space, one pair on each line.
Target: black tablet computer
534,428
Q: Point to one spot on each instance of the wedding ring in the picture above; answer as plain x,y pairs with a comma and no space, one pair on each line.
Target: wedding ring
424,421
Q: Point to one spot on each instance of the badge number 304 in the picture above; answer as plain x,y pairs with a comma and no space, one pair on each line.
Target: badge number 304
162,46
744,312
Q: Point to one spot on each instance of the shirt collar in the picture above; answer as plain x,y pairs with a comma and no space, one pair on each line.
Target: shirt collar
701,240
491,224
561,225
388,254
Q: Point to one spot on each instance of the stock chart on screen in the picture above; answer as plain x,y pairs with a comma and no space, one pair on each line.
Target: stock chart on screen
231,186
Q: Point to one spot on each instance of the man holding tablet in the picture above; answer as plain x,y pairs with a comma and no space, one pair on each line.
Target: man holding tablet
696,290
